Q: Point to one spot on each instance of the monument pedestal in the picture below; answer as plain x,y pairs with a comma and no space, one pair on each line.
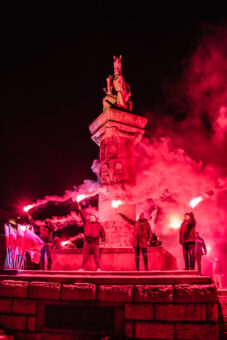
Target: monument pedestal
117,132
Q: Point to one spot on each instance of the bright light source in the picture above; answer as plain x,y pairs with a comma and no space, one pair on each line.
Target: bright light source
193,203
175,223
208,248
22,227
64,243
80,197
115,204
28,207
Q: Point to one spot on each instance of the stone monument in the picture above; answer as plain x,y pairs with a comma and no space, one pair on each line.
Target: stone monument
117,131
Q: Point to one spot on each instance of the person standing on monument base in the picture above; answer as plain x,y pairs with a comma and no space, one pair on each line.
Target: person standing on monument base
93,231
200,250
217,272
141,237
45,231
187,240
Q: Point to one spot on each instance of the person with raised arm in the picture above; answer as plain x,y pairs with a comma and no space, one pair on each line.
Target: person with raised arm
141,237
93,232
45,231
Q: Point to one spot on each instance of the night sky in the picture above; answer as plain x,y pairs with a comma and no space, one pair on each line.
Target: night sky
54,62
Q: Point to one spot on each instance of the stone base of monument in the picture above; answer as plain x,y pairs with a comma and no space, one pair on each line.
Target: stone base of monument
114,259
108,305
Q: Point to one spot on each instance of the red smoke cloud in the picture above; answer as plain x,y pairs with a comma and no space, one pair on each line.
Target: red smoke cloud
89,188
185,158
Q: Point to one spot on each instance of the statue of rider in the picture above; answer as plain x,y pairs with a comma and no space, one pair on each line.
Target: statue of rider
118,92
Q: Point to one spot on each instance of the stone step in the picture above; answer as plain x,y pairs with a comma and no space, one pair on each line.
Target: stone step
120,273
107,278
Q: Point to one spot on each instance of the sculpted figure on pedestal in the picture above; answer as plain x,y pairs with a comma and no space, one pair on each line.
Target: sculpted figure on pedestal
118,92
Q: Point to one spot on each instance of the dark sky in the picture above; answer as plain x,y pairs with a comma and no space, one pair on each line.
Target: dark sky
54,62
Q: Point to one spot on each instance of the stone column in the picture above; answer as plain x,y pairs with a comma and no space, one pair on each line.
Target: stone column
117,132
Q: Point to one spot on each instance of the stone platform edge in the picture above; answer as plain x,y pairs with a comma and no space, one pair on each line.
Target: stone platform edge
142,311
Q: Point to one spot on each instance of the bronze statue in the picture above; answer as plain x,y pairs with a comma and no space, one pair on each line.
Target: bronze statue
118,91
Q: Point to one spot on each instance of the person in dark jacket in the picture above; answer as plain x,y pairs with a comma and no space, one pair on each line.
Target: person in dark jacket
187,240
200,250
93,231
141,237
45,231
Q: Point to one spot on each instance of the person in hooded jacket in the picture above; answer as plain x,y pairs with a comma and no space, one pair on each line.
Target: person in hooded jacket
93,231
187,240
141,237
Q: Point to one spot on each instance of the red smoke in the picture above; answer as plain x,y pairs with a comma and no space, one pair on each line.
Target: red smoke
89,189
206,83
186,158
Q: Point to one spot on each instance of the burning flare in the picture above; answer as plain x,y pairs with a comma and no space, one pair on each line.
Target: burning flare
115,204
28,207
81,197
193,203
175,223
208,248
64,243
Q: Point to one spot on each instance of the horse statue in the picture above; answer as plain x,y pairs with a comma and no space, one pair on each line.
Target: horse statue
118,92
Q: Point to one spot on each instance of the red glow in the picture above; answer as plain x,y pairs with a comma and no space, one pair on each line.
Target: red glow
195,201
28,207
115,204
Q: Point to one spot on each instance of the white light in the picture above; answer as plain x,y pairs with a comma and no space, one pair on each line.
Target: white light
193,203
22,227
175,223
115,204
28,207
208,248
80,198
64,243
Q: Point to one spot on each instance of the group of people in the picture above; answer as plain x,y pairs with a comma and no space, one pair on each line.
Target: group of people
93,233
193,245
